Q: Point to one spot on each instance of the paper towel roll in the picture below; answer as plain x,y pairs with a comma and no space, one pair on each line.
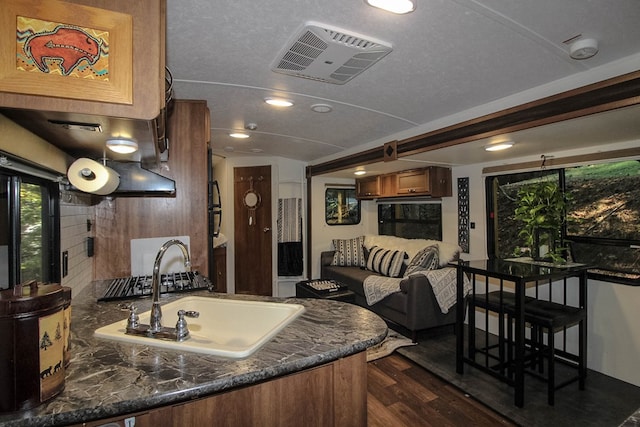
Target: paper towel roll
92,177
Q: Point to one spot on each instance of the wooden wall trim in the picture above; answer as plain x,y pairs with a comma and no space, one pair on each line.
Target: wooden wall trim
363,158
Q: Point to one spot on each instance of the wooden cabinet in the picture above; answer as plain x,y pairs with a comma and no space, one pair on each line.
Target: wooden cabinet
334,394
412,182
220,261
432,181
143,66
368,188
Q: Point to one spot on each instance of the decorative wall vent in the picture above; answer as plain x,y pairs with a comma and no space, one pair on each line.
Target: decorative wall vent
328,54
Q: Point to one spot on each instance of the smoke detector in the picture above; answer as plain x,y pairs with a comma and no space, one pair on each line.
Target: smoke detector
328,54
583,48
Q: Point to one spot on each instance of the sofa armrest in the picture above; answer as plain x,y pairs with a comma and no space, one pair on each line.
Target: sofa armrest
422,306
326,258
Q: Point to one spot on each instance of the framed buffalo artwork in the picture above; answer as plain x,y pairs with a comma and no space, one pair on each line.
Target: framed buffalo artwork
66,50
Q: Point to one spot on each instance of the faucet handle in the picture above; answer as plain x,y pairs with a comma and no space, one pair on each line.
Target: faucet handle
132,321
189,313
182,330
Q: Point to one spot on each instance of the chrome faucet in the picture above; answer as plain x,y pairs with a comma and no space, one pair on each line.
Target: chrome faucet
155,322
155,329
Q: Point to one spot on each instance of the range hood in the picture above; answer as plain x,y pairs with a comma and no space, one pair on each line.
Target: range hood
137,181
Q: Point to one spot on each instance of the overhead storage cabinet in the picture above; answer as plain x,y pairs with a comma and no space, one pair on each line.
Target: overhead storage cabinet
434,181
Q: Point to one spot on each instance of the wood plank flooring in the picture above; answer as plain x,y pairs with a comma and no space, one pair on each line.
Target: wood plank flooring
402,393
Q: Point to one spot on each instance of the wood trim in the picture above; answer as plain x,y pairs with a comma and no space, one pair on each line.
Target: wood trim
611,94
563,161
364,158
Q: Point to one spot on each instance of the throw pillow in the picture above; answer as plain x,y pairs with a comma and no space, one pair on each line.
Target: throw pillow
385,261
349,252
425,259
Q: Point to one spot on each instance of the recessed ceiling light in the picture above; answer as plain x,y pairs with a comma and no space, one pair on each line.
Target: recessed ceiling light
239,135
394,6
122,145
497,146
278,102
256,150
321,108
360,172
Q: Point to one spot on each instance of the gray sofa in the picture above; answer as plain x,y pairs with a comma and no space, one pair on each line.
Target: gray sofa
414,307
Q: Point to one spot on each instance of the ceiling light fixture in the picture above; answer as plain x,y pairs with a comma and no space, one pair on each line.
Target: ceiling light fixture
321,108
500,145
122,145
278,102
239,135
583,48
394,6
360,172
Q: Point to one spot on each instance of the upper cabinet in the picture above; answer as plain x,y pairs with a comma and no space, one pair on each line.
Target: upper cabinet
433,181
94,57
368,188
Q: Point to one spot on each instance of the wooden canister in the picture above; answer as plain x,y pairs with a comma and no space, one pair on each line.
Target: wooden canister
32,367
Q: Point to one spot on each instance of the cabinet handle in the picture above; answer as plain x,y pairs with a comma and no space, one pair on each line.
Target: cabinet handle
412,190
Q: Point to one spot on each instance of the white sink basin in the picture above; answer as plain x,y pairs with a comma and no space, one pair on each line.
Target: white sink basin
225,327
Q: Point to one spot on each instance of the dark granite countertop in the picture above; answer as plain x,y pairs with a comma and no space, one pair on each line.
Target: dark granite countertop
108,378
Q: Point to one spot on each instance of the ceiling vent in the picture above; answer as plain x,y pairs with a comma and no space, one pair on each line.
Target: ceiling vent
329,54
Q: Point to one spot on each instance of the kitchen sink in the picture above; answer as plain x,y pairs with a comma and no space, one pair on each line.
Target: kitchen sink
225,327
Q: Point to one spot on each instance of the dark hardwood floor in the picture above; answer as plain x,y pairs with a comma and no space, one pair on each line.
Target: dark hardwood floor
402,393
605,402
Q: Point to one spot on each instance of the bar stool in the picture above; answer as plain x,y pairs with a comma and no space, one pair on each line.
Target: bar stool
542,316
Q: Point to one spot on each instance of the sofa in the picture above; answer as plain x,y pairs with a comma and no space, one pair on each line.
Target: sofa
413,305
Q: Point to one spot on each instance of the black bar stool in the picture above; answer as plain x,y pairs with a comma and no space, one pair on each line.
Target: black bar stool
543,316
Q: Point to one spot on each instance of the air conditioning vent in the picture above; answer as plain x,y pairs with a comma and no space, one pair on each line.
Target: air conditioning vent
328,54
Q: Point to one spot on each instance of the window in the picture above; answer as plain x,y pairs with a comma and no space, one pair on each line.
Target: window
410,220
602,217
29,236
341,206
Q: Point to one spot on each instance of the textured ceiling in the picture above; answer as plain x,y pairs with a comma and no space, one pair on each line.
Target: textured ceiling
451,61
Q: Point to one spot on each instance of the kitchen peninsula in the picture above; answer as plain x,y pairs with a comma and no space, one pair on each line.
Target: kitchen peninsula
315,367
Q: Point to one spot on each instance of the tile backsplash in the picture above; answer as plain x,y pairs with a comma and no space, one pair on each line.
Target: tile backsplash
76,212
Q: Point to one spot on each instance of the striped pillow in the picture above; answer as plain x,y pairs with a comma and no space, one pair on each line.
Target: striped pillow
385,261
426,259
349,252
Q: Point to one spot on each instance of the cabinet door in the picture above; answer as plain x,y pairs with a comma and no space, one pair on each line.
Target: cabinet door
440,182
220,259
143,71
368,187
413,182
388,185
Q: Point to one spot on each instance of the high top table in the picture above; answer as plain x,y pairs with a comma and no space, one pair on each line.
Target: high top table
520,274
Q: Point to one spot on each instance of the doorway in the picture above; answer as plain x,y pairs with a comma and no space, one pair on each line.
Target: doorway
252,230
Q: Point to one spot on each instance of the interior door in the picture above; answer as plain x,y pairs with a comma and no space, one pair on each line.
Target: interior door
252,230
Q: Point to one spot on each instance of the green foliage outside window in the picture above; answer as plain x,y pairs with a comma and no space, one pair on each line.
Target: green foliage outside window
31,242
541,206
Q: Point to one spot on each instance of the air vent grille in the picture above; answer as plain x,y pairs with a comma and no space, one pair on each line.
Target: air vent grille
323,53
